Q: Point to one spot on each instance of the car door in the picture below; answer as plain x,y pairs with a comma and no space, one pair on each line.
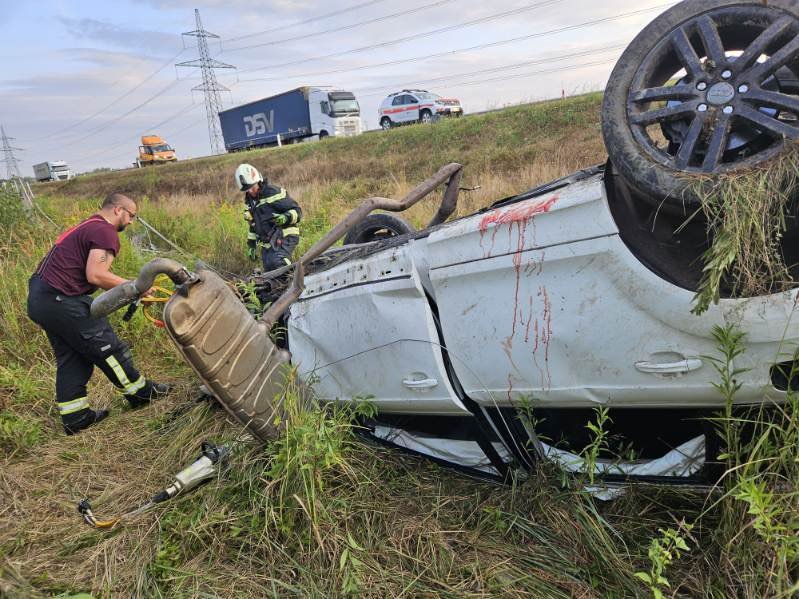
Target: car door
411,109
397,111
542,300
364,328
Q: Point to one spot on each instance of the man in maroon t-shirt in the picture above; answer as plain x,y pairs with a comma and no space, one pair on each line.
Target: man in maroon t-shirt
59,302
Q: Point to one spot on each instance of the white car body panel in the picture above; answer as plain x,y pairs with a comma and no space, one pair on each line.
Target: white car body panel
365,328
539,299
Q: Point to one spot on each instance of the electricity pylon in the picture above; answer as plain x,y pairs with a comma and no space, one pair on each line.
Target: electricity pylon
210,86
12,169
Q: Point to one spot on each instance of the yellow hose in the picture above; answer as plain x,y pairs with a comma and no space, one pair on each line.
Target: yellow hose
148,300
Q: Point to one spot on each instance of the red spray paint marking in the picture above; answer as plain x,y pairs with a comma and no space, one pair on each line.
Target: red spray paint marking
518,214
529,320
546,335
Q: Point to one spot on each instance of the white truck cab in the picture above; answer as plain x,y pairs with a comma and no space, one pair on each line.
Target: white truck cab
333,112
52,171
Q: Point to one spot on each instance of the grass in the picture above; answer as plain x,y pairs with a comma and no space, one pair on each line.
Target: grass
320,512
746,213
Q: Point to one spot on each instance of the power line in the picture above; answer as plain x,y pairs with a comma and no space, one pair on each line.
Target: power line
415,36
107,124
126,140
467,49
306,21
115,101
168,135
373,91
210,86
538,72
344,27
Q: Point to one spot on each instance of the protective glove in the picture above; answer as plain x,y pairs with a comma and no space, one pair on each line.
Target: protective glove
252,253
280,219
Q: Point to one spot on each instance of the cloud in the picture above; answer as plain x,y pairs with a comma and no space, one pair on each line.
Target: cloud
292,7
148,41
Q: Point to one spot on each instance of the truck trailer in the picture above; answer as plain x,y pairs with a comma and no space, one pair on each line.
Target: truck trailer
52,171
293,116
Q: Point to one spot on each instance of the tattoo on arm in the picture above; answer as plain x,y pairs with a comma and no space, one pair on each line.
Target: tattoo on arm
104,256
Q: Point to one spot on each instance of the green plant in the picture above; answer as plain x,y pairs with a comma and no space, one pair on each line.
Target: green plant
314,441
17,433
599,441
248,293
350,566
663,551
762,475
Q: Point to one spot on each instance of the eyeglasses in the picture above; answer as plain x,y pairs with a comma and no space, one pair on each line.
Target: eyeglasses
132,215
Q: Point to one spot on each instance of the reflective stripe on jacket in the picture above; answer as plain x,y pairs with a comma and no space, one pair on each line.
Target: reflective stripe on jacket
261,211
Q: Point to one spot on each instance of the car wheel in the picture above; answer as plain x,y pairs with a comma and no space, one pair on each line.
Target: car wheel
426,117
710,86
385,123
377,226
323,134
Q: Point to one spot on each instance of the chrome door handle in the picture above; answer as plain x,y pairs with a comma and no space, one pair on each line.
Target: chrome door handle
420,384
678,367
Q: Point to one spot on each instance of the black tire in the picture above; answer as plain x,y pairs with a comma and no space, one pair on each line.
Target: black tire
323,134
722,112
385,123
426,117
377,226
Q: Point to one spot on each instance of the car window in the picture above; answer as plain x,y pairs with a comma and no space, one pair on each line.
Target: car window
411,100
325,107
398,100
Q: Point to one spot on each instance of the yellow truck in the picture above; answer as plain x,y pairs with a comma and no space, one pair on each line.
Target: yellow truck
154,150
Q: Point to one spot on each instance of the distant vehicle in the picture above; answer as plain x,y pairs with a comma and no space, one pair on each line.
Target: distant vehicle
154,150
52,171
296,115
415,106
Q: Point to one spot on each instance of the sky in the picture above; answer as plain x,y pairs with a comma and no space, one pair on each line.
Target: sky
82,81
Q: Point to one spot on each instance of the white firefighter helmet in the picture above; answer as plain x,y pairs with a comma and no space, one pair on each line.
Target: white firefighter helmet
246,176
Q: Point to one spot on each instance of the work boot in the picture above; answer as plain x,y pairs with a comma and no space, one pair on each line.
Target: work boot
91,417
150,392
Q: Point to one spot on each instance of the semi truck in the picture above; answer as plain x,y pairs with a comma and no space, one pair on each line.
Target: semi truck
52,171
154,150
300,114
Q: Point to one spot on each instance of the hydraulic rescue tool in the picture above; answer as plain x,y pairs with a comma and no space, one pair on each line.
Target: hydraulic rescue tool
211,459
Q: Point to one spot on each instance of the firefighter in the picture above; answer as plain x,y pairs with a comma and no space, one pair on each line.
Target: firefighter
272,216
58,301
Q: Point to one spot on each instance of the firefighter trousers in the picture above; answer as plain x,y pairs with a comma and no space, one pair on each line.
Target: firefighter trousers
277,254
81,342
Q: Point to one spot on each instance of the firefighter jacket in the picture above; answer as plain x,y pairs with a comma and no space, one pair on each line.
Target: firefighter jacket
260,214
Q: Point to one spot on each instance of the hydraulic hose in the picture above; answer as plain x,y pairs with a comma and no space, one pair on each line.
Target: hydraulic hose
128,292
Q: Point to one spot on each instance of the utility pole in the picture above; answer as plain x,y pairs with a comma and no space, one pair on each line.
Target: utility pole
12,169
210,86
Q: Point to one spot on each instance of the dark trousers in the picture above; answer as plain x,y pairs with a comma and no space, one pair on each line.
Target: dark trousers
80,343
279,253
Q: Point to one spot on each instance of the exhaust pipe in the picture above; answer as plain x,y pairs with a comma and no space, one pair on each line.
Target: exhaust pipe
121,295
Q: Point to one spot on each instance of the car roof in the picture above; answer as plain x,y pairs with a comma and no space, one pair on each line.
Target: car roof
408,91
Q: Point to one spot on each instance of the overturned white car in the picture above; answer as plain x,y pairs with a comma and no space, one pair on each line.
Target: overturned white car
489,341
